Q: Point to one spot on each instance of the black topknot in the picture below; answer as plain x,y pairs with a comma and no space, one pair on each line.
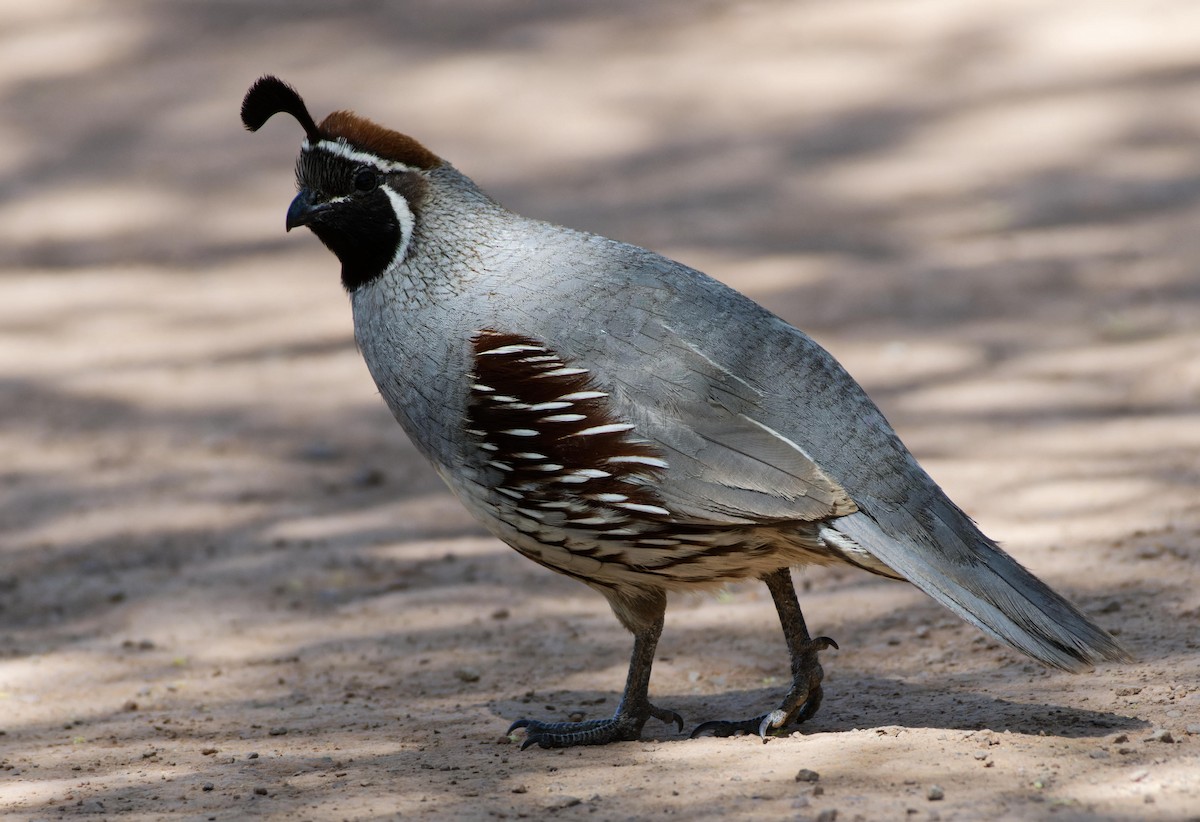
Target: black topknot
267,97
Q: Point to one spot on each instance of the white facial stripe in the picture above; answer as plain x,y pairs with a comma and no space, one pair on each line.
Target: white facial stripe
407,221
340,149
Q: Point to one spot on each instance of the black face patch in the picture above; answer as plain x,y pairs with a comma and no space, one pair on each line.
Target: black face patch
355,218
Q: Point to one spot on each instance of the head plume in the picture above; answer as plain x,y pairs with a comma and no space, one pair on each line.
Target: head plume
269,96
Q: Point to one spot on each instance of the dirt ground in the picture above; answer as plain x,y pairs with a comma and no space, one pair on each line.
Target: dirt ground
229,587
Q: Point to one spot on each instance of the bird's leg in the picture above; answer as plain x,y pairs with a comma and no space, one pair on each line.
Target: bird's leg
804,698
635,708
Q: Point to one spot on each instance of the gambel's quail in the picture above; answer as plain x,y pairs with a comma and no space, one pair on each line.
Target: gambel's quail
627,421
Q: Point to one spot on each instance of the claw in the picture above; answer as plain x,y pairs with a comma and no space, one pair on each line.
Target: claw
669,717
728,727
804,697
761,726
772,721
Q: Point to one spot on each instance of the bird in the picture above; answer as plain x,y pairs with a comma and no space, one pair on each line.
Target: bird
632,423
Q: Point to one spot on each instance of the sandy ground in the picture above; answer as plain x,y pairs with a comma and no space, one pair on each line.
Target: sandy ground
229,588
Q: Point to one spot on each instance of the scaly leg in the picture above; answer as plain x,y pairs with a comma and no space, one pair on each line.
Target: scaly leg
804,698
635,708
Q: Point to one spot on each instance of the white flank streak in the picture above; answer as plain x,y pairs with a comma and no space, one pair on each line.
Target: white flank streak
475,432
508,492
585,474
487,446
549,406
511,349
504,398
520,432
609,497
543,358
481,387
529,455
591,521
653,462
563,372
503,466
582,395
538,515
549,466
645,509
562,417
611,428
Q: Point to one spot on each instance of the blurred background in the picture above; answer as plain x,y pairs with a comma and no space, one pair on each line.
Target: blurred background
987,211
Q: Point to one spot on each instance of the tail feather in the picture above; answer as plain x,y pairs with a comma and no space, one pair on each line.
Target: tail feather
944,554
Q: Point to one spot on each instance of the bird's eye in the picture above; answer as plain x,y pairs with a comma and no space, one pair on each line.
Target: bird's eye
365,180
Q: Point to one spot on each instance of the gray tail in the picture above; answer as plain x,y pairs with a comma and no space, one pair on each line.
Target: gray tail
945,555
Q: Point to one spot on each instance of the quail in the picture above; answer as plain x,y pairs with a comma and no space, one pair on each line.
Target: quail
630,422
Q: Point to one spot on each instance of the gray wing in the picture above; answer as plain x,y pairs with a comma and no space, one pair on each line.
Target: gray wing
817,449
727,464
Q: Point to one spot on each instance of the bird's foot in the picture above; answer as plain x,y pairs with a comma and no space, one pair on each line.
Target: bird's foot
800,704
624,726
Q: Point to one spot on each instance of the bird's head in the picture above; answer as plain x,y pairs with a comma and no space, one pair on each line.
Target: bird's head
361,185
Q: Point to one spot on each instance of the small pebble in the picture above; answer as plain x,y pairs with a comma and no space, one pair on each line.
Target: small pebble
935,793
467,674
1160,735
278,732
208,786
827,815
260,790
805,775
